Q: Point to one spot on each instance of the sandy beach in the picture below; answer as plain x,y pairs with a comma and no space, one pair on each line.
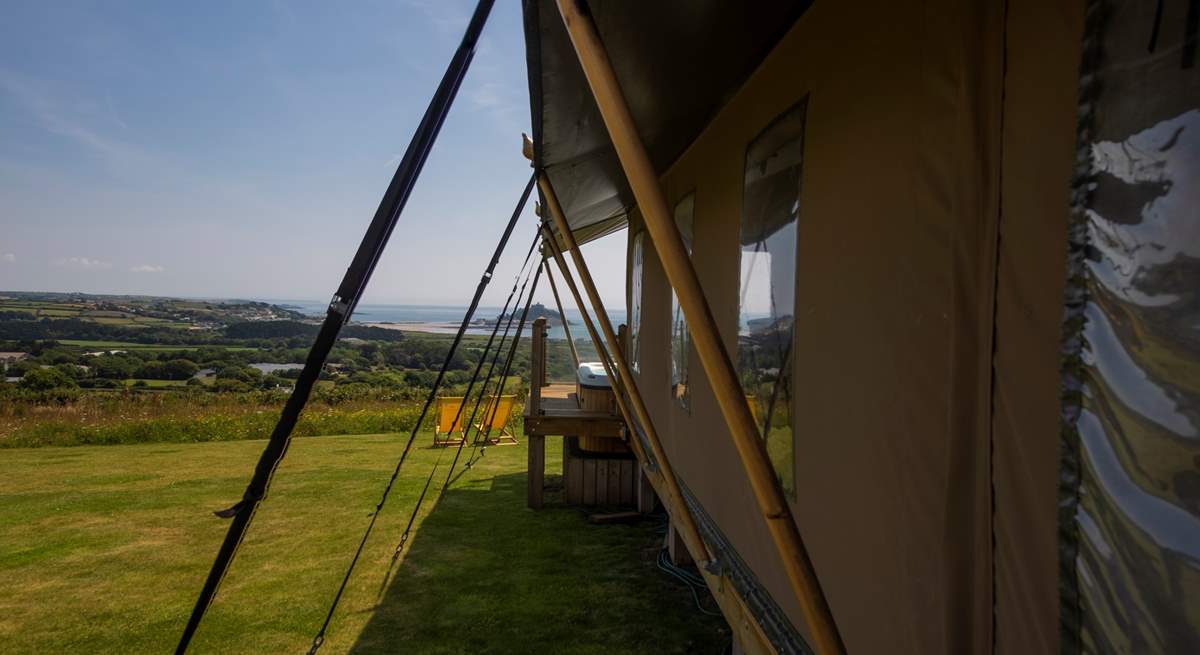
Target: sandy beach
427,326
445,327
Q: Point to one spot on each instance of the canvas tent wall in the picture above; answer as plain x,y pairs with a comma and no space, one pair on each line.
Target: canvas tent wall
933,205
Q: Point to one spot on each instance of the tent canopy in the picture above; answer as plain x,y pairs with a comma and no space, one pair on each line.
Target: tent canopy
678,62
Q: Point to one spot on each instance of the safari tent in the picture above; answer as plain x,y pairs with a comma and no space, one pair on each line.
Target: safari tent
912,357
946,252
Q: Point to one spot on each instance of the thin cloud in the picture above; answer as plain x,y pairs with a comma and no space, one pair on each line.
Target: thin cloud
147,268
489,95
85,263
447,18
112,111
55,116
492,89
8,258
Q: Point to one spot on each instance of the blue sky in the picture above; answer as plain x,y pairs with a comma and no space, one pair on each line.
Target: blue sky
240,149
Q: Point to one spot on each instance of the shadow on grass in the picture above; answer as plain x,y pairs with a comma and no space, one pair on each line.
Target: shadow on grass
485,574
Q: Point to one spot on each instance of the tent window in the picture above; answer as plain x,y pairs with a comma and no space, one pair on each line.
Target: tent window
679,329
770,209
635,303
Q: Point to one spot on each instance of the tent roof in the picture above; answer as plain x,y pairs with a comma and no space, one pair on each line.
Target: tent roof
678,62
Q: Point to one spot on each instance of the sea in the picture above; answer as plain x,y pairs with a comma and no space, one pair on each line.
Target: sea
440,319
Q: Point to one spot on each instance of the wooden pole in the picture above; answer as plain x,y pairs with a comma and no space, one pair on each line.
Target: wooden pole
537,365
562,315
605,360
713,356
618,354
733,606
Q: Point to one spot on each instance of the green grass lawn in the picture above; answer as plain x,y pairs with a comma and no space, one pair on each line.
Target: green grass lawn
103,549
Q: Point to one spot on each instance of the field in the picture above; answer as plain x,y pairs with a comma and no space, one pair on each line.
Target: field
148,347
43,309
103,548
113,418
137,311
157,384
107,493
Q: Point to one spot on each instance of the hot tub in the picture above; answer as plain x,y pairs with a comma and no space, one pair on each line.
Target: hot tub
596,394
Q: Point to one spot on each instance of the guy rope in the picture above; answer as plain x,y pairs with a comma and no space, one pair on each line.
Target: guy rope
341,307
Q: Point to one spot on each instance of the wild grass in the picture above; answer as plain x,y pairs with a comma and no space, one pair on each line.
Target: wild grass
103,549
127,418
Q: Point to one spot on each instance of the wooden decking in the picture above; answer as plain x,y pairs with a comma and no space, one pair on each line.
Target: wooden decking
557,412
554,409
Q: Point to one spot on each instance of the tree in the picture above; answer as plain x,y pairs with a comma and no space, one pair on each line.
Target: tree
58,356
114,367
270,329
239,373
72,371
19,368
370,352
180,369
226,384
45,379
395,354
152,370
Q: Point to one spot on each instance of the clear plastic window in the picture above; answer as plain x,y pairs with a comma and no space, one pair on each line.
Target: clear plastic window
770,210
679,329
635,303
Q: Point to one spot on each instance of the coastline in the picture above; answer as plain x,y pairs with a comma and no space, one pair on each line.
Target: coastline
445,327
435,327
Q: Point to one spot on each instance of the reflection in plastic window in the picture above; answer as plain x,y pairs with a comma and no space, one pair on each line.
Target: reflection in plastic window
770,208
679,330
635,303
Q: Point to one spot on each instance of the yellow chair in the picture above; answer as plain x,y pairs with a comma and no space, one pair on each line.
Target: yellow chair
495,420
752,400
445,434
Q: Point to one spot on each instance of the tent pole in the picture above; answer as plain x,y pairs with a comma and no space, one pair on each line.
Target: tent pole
562,315
614,345
713,356
601,351
741,620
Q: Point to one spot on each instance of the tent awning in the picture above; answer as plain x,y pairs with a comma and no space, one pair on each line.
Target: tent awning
678,62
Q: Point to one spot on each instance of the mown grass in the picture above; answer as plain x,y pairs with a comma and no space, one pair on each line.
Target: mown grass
102,549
